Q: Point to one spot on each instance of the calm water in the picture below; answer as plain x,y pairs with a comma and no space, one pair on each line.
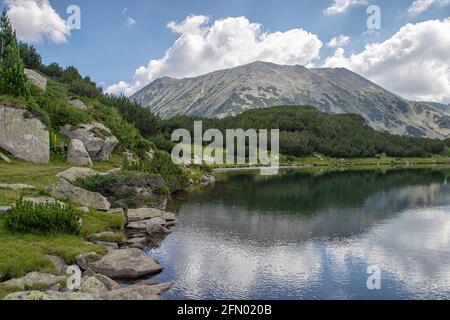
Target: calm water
303,235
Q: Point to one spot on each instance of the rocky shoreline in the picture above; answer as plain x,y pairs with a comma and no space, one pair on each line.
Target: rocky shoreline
96,277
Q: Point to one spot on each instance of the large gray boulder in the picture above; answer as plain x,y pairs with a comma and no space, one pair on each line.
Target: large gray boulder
78,104
74,173
16,186
33,279
24,136
143,214
49,295
138,292
98,139
82,197
94,287
126,264
36,79
77,154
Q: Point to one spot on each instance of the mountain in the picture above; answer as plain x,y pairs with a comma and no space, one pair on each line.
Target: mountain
261,85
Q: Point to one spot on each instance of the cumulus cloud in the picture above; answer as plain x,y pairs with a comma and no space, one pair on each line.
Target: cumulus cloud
341,6
420,6
36,20
414,62
204,47
339,41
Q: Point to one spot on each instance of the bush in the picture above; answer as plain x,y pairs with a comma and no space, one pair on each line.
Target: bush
84,88
52,70
30,58
25,217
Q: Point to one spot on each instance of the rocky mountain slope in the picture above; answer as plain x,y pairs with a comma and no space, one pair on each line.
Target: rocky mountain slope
261,85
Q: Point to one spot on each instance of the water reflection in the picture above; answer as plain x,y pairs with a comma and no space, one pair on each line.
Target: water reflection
311,236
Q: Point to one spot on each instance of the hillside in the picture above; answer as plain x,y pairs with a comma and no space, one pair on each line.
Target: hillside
261,85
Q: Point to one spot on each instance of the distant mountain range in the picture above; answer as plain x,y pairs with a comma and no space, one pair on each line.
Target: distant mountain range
261,85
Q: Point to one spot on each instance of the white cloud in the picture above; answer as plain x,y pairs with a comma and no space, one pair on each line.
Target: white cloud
129,20
420,6
341,6
339,41
203,47
414,62
35,20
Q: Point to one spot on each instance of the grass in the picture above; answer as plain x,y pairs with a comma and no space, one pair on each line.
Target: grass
95,222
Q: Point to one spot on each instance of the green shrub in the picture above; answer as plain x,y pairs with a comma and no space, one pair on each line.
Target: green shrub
26,217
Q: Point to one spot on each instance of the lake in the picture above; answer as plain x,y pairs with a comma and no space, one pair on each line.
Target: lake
309,234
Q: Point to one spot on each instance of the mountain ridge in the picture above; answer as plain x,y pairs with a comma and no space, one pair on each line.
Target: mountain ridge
259,84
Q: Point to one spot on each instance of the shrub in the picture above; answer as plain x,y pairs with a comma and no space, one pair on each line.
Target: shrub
83,88
53,70
30,58
26,217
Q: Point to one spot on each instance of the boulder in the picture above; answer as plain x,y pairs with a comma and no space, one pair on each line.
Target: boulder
144,224
117,211
208,179
59,264
36,79
4,210
109,283
157,229
43,200
74,173
143,214
77,154
65,189
169,216
49,295
16,186
78,104
84,209
33,279
126,264
4,158
24,136
94,287
137,292
83,260
110,246
97,139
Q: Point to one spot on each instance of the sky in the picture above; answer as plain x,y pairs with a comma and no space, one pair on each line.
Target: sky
124,45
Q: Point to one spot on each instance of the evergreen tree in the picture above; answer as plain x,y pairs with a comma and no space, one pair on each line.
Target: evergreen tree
12,77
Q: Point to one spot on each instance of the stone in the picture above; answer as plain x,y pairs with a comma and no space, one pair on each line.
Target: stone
97,139
136,293
143,225
74,173
59,264
77,154
117,211
43,200
143,214
83,260
5,210
84,209
65,189
208,179
4,158
110,246
49,295
36,79
77,103
94,287
107,236
109,283
141,240
23,135
171,223
157,229
158,220
88,273
16,186
33,279
126,264
168,216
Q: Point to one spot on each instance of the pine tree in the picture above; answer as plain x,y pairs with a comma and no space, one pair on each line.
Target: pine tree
12,77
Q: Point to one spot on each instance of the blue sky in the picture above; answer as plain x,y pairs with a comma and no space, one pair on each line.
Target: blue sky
110,50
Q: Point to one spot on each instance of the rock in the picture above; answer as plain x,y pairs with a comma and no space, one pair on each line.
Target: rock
33,279
109,283
77,154
97,139
84,209
126,264
49,295
208,179
169,216
43,200
144,224
36,79
65,189
107,236
59,264
117,211
4,158
110,246
78,104
138,292
141,240
157,229
4,210
171,223
83,260
88,273
74,173
55,287
143,214
139,246
94,287
24,136
16,186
